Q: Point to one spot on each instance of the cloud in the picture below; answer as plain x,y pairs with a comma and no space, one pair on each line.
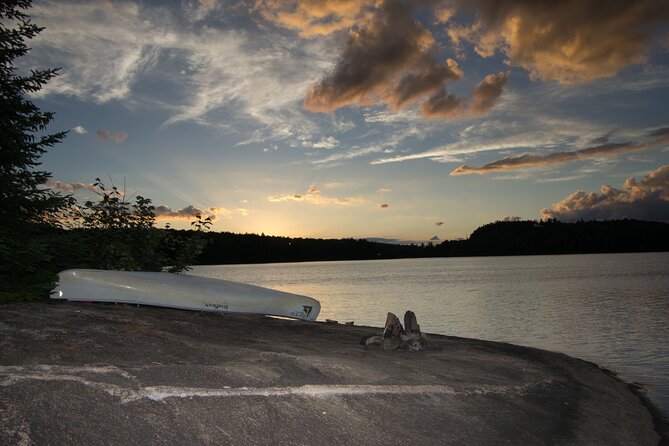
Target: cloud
68,187
313,18
350,154
435,238
315,196
424,78
439,223
79,130
384,206
207,4
441,105
567,41
189,212
482,98
115,137
388,60
655,138
647,199
530,131
206,69
487,92
186,213
329,142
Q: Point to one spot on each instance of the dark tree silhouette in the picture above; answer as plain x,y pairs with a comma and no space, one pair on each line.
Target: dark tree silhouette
26,205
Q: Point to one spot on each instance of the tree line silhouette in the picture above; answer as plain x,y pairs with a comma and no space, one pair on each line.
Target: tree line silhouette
499,238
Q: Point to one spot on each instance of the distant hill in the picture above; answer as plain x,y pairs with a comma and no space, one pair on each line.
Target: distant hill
498,238
554,237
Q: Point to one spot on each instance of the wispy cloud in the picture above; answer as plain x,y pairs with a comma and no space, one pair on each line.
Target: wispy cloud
329,142
647,199
609,150
454,152
115,137
349,154
523,131
257,83
316,197
69,187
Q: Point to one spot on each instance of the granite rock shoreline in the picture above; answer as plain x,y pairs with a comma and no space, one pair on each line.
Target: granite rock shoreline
73,373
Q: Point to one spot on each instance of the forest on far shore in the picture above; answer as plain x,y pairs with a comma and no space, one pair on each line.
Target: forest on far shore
494,239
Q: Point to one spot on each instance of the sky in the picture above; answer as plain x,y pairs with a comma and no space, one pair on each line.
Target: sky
394,120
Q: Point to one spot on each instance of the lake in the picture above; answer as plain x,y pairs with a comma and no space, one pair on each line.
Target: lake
611,309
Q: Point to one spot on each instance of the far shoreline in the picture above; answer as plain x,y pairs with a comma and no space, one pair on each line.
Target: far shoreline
433,257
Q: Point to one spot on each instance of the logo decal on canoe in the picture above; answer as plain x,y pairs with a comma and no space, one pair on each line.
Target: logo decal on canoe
306,310
217,306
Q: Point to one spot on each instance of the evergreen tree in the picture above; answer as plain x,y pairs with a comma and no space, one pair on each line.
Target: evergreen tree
26,205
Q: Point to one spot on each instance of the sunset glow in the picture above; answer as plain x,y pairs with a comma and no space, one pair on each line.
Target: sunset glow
398,120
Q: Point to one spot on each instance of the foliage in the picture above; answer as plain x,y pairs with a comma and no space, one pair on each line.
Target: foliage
183,247
121,234
26,205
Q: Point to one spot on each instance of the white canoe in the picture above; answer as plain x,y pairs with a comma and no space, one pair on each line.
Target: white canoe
181,291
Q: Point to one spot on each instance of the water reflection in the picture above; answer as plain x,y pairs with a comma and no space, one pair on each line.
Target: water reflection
609,309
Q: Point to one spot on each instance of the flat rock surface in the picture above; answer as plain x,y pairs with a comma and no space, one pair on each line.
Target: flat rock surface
114,374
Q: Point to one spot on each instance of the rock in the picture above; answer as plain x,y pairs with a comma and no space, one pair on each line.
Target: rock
106,374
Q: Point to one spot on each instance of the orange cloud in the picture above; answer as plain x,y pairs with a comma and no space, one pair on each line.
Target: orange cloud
656,138
312,18
314,196
647,199
567,41
389,60
487,92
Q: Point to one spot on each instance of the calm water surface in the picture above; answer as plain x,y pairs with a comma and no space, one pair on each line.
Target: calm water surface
611,309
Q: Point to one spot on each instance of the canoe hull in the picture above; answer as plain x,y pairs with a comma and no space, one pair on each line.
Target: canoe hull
181,291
